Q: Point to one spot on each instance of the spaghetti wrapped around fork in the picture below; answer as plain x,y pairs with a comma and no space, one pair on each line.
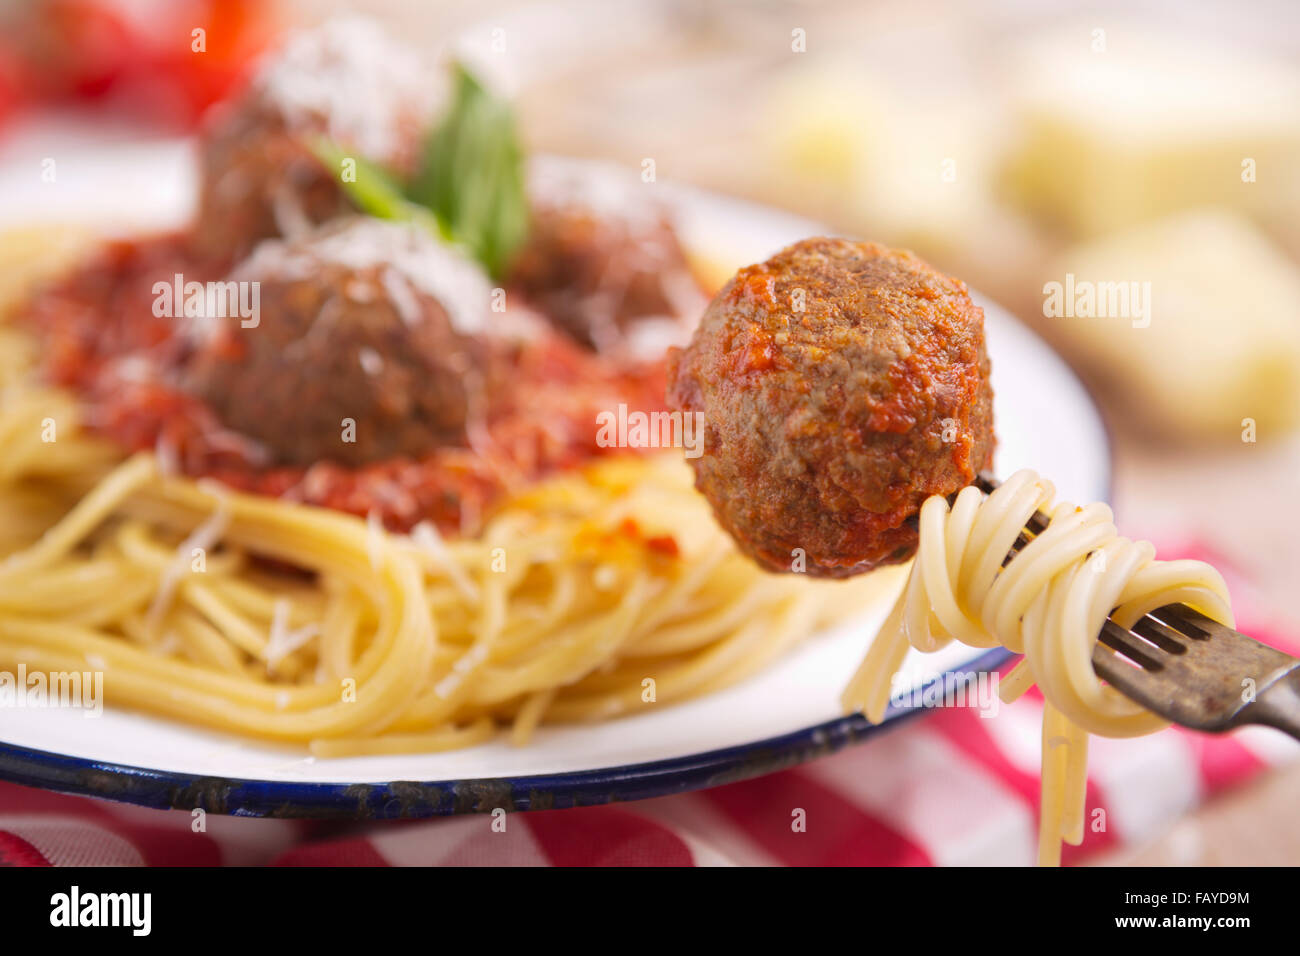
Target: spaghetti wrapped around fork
1048,603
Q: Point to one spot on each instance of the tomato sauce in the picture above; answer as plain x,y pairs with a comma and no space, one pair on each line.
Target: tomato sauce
101,338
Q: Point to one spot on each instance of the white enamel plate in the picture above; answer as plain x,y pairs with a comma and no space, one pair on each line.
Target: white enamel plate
786,714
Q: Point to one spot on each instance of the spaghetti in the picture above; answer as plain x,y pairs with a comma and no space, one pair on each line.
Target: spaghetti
590,594
1047,603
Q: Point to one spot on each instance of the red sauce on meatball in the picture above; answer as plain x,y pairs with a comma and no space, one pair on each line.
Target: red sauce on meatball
841,384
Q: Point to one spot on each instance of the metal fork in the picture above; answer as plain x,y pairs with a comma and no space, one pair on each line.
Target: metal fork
1189,669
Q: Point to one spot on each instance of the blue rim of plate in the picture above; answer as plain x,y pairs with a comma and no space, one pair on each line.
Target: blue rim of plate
406,799
398,799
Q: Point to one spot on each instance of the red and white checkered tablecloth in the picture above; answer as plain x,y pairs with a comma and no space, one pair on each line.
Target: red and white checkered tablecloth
953,788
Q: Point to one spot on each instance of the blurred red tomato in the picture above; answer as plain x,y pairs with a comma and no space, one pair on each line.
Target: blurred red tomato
167,61
209,51
71,47
12,83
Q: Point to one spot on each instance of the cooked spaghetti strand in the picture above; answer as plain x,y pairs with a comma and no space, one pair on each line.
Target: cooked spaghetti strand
1047,603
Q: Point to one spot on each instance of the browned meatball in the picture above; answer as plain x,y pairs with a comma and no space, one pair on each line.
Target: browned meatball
602,258
366,321
343,81
841,383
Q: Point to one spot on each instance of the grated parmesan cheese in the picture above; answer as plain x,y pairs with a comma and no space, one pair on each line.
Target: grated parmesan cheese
402,251
350,77
425,536
283,641
464,664
606,190
204,537
374,539
372,363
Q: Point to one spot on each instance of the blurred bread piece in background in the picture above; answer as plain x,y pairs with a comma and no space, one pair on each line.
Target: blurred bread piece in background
821,128
1220,338
858,150
1122,123
915,171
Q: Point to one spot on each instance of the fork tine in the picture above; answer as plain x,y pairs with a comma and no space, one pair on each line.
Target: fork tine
1122,642
1157,682
1214,682
1161,635
1187,667
1187,621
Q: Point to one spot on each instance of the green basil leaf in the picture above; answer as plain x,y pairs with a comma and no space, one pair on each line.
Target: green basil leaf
373,190
472,174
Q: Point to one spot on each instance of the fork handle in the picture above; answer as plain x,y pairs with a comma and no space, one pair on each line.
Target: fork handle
1278,704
